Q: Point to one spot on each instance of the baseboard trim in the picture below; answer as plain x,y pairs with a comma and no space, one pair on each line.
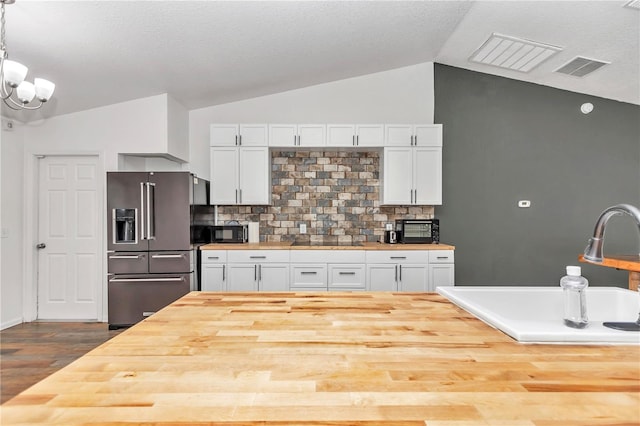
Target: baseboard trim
10,323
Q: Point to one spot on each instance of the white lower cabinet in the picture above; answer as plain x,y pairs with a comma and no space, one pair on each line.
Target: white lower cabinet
213,270
397,271
258,270
322,270
441,269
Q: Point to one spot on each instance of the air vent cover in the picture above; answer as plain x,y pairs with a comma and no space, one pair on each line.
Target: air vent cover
580,66
513,53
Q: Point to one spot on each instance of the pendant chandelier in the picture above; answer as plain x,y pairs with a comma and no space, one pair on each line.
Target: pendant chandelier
17,93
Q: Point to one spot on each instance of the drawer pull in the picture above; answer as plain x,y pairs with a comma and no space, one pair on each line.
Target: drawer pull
398,257
257,257
308,272
442,257
213,257
347,273
147,314
167,256
131,256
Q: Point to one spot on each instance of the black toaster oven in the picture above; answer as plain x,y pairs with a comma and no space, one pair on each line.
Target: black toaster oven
418,231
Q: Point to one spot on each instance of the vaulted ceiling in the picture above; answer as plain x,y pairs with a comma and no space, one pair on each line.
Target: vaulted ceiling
211,52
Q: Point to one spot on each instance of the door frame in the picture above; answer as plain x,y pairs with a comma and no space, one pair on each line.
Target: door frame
30,231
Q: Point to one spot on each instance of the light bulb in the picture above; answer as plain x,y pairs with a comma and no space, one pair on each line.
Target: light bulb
586,108
14,72
44,89
26,91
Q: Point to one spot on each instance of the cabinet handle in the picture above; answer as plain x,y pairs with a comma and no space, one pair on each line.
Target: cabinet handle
255,272
257,257
347,273
167,256
400,268
259,272
236,140
415,196
224,272
411,195
308,272
299,143
213,257
240,195
396,268
357,140
442,257
240,140
415,140
131,256
236,195
411,140
353,140
397,257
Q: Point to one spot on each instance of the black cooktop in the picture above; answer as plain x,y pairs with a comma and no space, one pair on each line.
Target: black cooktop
326,243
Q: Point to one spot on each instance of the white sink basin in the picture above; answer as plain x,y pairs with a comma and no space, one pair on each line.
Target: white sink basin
534,314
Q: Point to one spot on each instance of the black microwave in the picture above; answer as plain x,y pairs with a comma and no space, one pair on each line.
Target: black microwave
230,234
418,231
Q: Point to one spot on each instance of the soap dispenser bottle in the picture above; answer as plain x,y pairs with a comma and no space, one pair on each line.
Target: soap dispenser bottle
575,301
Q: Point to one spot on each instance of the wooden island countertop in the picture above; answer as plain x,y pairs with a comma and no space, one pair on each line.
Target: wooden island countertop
340,358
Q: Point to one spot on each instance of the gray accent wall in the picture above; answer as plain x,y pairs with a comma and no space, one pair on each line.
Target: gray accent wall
507,140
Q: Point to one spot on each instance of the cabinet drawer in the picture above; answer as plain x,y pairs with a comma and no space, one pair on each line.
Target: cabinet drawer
213,256
258,256
169,262
397,256
128,263
313,276
441,256
347,277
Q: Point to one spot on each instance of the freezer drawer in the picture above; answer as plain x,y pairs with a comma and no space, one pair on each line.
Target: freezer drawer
128,262
169,262
132,298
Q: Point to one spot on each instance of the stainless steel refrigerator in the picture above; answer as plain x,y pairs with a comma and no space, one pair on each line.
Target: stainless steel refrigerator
150,255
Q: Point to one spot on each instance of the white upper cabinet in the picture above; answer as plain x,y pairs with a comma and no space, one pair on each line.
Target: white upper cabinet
297,135
238,135
240,175
412,176
413,135
355,135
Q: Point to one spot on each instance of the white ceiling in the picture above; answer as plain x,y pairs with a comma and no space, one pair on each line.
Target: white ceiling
210,52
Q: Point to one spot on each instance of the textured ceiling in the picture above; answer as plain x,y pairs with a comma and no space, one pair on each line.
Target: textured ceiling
208,52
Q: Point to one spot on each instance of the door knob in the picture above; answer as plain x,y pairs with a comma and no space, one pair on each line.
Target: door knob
41,246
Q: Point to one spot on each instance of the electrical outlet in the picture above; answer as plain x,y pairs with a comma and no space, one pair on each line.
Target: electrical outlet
303,228
523,204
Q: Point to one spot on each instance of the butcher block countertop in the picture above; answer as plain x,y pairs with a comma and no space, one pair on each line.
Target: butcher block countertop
288,246
338,358
627,262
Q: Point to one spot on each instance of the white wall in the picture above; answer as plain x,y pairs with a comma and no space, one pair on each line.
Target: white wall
403,95
11,172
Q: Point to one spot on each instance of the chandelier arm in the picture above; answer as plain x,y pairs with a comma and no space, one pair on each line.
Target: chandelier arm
3,91
19,105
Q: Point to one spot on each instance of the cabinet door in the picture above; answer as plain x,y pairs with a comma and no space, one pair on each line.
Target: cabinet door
428,134
273,277
311,135
308,277
413,278
397,176
427,166
398,135
341,134
283,135
370,135
347,277
382,277
224,175
253,135
214,277
242,277
223,135
441,275
255,187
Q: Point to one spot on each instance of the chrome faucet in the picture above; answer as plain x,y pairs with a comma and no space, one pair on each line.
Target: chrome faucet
593,251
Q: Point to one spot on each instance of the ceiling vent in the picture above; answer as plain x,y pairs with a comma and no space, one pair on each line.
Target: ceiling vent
580,66
633,4
513,53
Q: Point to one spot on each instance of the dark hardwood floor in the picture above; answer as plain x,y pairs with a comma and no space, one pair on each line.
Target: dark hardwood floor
30,352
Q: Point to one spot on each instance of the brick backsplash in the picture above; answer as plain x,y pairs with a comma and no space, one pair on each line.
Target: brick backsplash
335,193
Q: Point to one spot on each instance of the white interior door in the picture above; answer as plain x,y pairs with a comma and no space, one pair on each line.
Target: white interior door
69,235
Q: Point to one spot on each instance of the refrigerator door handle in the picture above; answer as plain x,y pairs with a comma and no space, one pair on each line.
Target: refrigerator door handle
128,256
168,256
151,215
142,236
146,280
